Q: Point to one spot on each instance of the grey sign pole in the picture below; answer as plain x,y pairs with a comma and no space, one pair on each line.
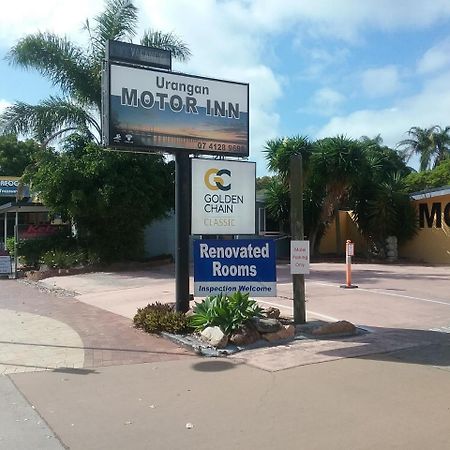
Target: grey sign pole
16,240
297,233
183,222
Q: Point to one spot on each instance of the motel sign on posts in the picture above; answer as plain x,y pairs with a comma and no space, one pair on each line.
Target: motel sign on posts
227,266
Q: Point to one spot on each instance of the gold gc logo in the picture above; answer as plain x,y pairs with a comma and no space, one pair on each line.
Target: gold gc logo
217,180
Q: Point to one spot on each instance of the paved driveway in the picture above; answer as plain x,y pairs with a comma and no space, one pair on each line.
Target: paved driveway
393,295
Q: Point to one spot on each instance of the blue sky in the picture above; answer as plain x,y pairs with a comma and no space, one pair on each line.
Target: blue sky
316,68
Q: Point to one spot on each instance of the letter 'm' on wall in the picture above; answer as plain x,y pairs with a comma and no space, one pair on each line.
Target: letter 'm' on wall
424,214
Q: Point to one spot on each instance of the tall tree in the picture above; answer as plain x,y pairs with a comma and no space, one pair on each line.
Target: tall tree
435,178
336,163
278,156
15,155
432,145
109,196
76,71
363,176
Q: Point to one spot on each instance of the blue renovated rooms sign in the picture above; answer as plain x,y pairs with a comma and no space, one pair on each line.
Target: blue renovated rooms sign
246,265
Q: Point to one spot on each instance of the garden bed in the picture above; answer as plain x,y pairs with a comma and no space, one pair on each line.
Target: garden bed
302,332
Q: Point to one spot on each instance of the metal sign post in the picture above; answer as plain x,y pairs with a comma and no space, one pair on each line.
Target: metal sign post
183,219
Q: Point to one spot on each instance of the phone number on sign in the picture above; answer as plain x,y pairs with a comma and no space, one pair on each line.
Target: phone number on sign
217,147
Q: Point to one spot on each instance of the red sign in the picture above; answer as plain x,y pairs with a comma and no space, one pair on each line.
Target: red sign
38,231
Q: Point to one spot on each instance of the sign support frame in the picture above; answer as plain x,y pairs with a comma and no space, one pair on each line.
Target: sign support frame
182,226
297,233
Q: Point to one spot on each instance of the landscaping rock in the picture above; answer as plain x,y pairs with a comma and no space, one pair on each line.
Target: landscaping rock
285,332
266,325
34,275
214,336
341,327
272,313
245,336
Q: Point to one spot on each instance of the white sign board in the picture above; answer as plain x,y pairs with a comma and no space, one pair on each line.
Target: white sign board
223,197
350,249
5,264
299,257
147,108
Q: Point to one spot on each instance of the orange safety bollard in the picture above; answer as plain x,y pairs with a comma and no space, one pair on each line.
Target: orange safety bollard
349,252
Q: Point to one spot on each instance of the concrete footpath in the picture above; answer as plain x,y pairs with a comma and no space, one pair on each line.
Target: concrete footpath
21,426
84,378
364,403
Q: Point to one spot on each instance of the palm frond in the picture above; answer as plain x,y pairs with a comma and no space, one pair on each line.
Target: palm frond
58,60
48,119
117,22
280,151
272,150
167,41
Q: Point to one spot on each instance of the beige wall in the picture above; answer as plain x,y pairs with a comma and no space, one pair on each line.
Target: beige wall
348,231
431,244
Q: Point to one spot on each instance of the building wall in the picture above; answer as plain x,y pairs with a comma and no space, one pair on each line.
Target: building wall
349,230
432,242
159,237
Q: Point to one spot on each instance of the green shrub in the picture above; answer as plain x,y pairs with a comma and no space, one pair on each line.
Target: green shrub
10,245
31,251
227,312
59,259
160,317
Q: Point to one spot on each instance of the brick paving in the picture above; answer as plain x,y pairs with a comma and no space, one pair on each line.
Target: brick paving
108,339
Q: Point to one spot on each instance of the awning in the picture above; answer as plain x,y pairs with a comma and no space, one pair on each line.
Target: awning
22,207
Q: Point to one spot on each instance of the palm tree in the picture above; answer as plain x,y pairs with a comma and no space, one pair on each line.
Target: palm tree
76,72
431,144
280,150
336,164
385,210
330,166
278,156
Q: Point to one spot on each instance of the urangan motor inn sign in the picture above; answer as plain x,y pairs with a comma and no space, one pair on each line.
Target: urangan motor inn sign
152,109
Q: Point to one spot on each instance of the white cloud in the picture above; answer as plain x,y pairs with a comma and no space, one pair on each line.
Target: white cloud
428,107
326,101
22,17
436,58
382,81
3,105
346,18
225,45
320,59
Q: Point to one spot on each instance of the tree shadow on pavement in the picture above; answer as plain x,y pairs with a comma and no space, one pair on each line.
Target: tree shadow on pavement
214,366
